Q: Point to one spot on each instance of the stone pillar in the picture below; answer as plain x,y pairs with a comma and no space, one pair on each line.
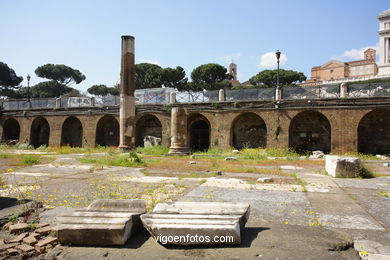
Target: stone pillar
179,144
92,101
221,95
278,94
172,98
58,102
343,90
127,100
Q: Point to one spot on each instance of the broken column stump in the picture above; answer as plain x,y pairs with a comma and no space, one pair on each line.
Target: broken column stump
104,222
197,223
342,167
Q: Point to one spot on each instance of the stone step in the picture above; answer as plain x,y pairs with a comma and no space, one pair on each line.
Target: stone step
104,222
189,220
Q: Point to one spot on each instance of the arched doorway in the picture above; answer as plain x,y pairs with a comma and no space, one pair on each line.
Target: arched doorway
147,125
310,131
11,131
72,132
107,131
249,131
199,132
40,132
374,132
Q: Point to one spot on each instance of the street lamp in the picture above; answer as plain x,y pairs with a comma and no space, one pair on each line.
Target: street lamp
28,90
277,53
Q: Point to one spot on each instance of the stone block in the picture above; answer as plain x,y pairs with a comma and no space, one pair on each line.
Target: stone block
18,238
197,223
231,158
346,167
317,155
104,222
30,240
19,227
43,230
25,248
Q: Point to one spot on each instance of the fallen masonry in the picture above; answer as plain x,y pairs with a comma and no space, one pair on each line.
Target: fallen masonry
339,166
197,223
104,222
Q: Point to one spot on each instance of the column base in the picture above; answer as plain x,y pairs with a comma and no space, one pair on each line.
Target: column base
179,151
125,148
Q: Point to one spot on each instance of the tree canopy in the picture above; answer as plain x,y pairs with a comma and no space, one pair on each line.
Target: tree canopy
60,73
149,75
49,89
210,76
268,78
60,78
102,90
8,80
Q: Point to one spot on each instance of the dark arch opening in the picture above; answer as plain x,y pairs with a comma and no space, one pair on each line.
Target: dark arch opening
107,131
40,132
11,131
199,133
374,132
72,132
147,125
310,131
249,131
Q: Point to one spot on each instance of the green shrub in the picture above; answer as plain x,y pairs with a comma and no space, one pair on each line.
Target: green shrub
28,159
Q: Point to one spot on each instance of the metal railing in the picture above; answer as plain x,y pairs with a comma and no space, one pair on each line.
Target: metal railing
324,91
369,90
162,96
197,96
250,94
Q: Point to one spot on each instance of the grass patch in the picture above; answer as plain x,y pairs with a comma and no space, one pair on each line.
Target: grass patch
5,155
362,156
198,175
28,159
71,150
153,150
124,160
383,193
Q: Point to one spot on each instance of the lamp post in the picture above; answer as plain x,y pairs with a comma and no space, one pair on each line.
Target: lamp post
278,93
277,53
28,90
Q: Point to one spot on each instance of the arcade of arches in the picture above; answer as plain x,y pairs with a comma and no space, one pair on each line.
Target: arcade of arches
330,130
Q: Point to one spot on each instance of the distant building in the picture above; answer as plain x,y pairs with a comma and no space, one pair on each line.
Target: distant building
335,70
384,43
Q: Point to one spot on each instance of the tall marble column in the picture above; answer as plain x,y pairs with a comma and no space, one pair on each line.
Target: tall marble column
127,100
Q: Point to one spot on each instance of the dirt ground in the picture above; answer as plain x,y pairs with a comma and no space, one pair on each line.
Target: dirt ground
302,214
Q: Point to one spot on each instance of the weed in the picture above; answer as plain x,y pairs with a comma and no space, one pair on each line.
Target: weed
28,159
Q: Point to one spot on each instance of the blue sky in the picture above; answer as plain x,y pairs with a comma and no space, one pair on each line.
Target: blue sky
86,34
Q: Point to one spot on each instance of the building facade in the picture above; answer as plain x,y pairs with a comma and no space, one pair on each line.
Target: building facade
384,43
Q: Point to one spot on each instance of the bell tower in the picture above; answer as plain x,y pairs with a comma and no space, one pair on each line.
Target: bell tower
233,70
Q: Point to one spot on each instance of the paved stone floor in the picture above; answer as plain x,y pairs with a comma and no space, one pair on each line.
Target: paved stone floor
286,221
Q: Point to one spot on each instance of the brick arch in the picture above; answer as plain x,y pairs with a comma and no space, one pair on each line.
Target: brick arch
310,130
40,132
374,132
107,131
147,124
198,132
248,130
72,132
11,131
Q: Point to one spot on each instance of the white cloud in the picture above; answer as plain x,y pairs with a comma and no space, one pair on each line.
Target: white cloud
230,58
356,54
268,60
156,62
